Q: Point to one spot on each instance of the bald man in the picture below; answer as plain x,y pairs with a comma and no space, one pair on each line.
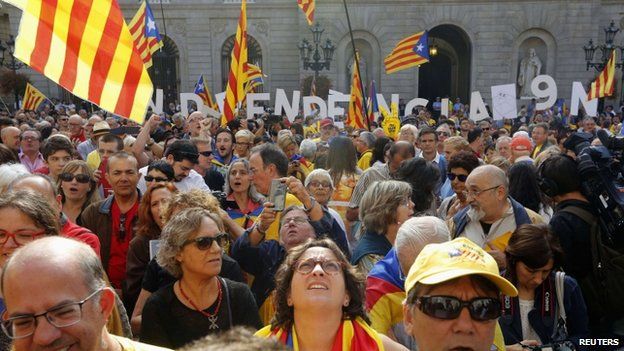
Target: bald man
52,272
11,138
43,186
492,215
76,129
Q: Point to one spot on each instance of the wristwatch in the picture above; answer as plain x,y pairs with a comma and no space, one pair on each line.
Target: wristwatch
312,203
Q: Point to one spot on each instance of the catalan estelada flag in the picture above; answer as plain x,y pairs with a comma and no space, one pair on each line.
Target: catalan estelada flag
307,6
355,117
255,77
145,34
605,83
235,92
86,47
204,93
32,98
409,52
385,294
351,335
373,104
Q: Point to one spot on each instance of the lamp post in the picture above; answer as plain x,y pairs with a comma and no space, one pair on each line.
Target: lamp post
311,52
11,64
605,52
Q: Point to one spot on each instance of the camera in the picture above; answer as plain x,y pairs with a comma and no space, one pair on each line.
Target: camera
600,170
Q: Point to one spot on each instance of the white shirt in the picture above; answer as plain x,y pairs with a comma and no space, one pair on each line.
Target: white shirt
193,181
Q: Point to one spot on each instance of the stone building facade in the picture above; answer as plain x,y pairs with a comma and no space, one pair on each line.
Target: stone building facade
480,43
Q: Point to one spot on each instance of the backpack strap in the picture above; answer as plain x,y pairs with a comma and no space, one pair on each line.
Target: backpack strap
585,215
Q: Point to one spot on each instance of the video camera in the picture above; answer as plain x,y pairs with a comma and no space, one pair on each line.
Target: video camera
602,181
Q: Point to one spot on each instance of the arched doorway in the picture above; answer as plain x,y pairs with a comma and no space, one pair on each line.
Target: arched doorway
448,72
165,72
254,56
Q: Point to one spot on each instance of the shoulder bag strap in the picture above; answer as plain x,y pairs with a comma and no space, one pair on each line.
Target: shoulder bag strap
559,288
227,300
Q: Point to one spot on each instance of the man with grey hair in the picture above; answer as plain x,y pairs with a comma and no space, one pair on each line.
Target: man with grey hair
89,145
308,149
10,137
76,129
492,215
503,146
364,146
67,287
385,282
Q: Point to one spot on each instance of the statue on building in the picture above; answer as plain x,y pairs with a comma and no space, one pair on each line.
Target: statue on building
530,67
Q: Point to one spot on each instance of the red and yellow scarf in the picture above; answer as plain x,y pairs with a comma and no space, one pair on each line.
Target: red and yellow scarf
352,336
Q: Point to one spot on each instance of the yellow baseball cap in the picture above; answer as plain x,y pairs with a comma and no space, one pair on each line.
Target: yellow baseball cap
438,263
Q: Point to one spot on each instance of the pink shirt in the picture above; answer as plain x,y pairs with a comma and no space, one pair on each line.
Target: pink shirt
32,165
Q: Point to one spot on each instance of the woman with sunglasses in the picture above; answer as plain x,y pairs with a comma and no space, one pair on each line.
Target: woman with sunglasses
533,254
199,302
159,172
459,167
319,301
77,188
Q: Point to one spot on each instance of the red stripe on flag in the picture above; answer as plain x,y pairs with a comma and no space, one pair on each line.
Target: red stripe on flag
104,55
41,51
139,25
79,15
418,60
131,80
391,60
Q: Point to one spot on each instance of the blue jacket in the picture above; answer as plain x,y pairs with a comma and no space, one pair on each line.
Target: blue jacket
543,317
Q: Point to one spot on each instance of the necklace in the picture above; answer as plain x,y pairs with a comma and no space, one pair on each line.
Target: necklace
212,317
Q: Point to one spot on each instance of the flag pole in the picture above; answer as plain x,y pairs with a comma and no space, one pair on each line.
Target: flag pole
357,64
162,13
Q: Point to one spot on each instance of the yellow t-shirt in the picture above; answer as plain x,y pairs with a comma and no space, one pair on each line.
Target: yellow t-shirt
273,231
364,161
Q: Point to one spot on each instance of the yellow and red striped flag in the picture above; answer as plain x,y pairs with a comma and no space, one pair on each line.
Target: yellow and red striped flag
307,6
32,98
237,78
605,83
409,52
145,34
255,77
86,47
355,117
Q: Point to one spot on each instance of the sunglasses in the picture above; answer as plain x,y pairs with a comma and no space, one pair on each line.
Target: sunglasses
461,177
80,178
149,178
205,242
328,266
206,153
449,307
443,134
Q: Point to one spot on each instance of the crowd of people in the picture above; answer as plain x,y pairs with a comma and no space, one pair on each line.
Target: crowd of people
164,235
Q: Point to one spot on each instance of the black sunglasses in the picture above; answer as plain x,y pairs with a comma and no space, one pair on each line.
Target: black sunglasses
205,242
149,178
462,177
205,153
449,307
80,178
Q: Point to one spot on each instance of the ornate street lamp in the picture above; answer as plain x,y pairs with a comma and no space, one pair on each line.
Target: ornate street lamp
605,50
11,63
310,53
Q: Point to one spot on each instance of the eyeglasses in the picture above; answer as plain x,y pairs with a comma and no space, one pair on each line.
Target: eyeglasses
296,220
205,242
61,316
449,307
461,177
206,153
149,178
22,237
318,184
475,193
80,178
30,138
443,133
331,267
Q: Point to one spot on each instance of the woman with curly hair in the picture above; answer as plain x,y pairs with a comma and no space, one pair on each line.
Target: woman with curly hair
199,302
320,303
148,229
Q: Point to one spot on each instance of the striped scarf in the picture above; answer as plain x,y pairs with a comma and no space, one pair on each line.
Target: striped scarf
352,336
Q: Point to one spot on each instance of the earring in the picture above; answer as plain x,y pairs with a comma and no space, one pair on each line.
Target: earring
346,303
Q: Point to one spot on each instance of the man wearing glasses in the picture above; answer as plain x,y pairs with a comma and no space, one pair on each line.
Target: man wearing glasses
492,215
445,279
65,302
